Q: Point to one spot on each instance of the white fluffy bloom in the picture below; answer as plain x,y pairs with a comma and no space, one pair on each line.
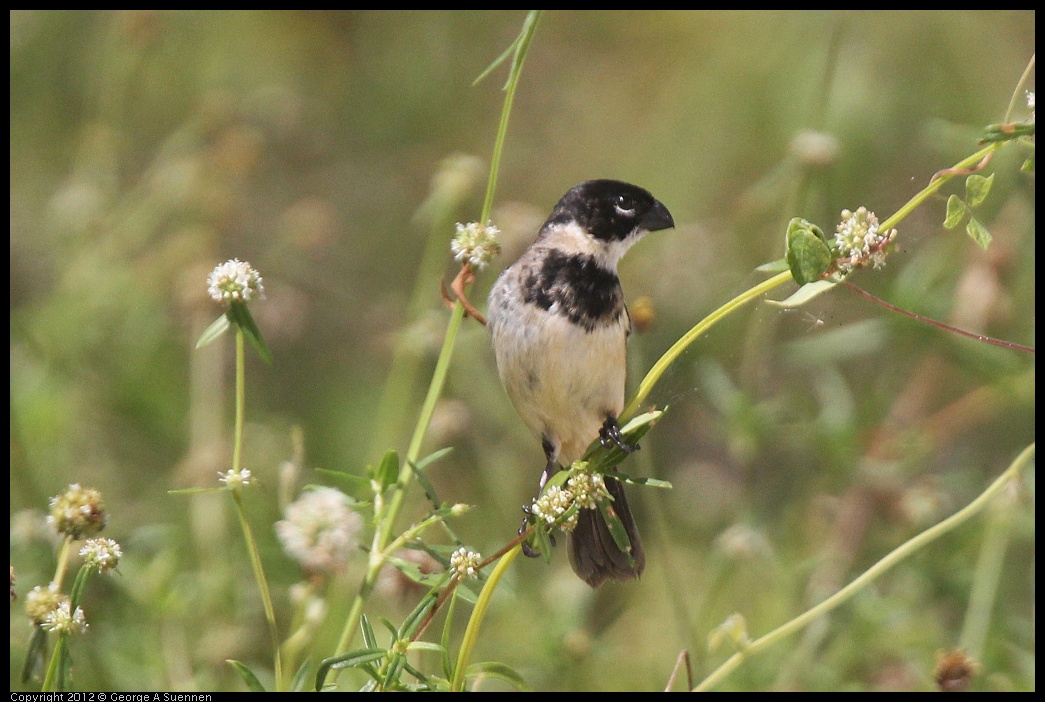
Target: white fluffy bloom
475,243
235,281
321,530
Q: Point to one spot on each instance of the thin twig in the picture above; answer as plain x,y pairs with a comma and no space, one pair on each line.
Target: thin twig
941,325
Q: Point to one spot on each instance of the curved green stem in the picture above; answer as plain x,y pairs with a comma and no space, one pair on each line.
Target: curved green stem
672,354
937,183
988,574
893,558
471,632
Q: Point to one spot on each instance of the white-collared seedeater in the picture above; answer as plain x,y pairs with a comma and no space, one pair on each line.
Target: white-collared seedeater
560,329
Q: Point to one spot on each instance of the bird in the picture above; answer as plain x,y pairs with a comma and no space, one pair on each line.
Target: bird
559,327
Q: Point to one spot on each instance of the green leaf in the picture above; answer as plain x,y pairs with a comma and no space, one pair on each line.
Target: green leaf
500,671
602,459
426,646
804,294
808,254
644,420
432,458
193,491
391,628
651,482
1007,132
392,670
414,619
616,527
542,540
357,486
35,652
777,266
425,684
388,470
518,44
369,638
466,593
422,478
253,684
978,233
216,328
65,664
240,316
413,571
447,659
956,211
352,659
977,187
300,680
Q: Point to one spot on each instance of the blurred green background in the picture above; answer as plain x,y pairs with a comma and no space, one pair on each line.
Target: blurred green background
335,150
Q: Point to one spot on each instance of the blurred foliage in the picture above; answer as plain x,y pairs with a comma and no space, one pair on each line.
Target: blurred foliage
149,146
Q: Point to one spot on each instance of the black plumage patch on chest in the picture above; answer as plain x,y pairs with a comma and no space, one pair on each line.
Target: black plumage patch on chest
583,291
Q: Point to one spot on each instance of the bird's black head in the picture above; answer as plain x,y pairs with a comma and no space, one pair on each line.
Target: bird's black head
611,210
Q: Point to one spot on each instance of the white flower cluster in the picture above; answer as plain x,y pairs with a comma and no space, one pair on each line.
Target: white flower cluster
64,620
235,478
858,242
101,554
552,504
77,512
589,489
465,563
475,243
321,530
586,490
235,281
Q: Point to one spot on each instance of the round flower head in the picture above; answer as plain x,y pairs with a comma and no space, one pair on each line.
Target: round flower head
465,563
475,243
65,620
42,600
552,505
858,241
589,489
236,478
101,554
321,530
235,281
77,512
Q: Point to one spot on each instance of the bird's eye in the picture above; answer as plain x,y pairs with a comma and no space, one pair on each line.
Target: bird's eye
625,204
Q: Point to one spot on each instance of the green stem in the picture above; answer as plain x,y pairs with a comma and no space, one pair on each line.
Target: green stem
529,27
1019,85
248,535
51,677
672,354
865,579
471,632
63,561
935,184
988,575
379,549
241,401
259,575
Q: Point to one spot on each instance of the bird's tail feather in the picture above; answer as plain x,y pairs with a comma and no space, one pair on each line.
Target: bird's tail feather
594,554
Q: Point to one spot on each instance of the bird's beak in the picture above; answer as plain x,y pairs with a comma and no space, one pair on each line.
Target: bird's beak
657,218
